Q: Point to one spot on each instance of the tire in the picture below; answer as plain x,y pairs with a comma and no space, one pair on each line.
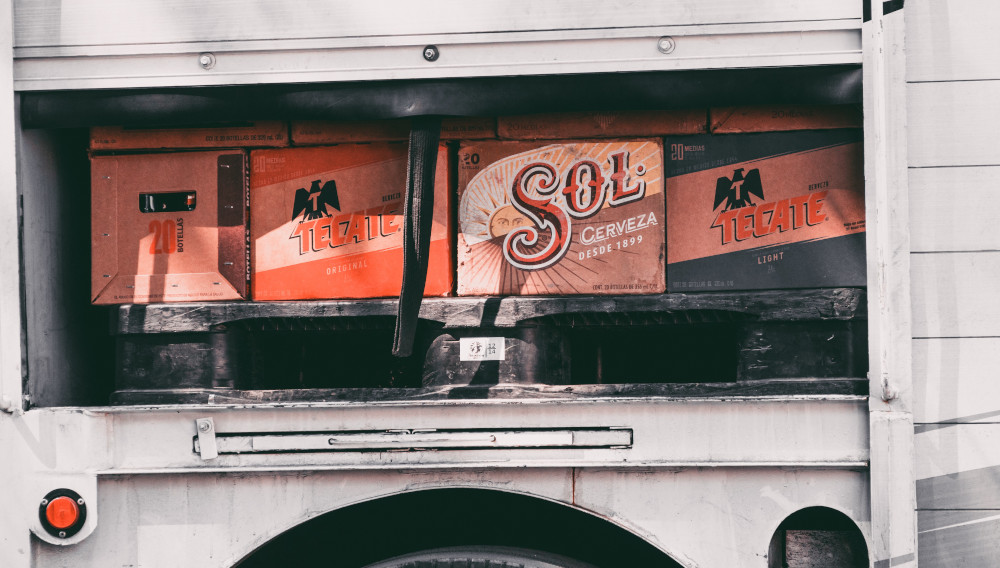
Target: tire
480,557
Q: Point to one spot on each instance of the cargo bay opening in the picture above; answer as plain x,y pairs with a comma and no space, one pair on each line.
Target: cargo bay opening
691,342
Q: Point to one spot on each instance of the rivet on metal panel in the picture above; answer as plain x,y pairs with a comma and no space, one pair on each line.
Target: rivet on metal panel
431,53
206,60
666,44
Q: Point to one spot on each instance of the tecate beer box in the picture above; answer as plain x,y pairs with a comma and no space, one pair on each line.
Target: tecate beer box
326,223
246,134
561,218
168,227
757,211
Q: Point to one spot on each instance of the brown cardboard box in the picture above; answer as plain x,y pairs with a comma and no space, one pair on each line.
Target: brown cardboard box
556,126
316,132
168,227
735,120
522,231
772,210
244,135
326,222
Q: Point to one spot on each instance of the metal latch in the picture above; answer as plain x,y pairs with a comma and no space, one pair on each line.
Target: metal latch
205,443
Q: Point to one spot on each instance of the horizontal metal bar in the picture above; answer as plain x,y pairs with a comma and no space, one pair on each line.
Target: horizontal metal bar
506,464
397,441
520,54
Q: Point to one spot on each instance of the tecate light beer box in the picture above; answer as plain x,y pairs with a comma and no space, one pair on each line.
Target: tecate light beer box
168,227
326,223
561,218
756,211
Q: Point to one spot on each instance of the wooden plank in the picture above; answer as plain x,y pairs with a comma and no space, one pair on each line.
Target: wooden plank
945,209
789,389
947,41
953,449
954,294
949,539
955,380
85,23
953,124
785,305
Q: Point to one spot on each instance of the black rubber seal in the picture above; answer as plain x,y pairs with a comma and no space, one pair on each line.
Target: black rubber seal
487,96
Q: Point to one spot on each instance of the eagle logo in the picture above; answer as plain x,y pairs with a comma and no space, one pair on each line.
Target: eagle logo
312,204
736,191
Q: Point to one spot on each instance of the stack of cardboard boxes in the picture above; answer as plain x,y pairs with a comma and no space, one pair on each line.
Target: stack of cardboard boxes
583,203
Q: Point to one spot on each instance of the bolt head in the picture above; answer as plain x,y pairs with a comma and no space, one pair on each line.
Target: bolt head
62,534
80,501
206,60
666,44
45,501
204,426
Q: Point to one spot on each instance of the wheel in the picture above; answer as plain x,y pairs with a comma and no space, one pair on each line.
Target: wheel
480,557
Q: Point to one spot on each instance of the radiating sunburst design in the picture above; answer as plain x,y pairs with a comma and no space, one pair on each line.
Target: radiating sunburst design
486,215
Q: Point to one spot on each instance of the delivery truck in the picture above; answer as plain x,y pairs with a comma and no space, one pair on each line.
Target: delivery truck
563,284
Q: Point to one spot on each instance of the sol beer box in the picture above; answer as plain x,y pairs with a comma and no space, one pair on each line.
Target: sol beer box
774,210
326,222
168,227
561,218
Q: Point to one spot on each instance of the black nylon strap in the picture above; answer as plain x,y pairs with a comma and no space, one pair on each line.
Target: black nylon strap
418,212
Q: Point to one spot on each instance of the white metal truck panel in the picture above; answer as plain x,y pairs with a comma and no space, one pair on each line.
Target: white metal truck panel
808,433
958,538
954,294
955,379
701,518
126,22
144,43
953,123
947,208
951,41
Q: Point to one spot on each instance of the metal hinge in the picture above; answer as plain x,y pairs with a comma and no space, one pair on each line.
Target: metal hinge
205,443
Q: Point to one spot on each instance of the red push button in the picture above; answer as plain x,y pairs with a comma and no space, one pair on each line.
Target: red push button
62,512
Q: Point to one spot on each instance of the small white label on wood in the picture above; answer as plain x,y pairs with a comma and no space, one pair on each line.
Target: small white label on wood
482,348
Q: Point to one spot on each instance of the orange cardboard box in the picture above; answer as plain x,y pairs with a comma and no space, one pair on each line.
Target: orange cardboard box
315,132
736,120
168,227
566,217
556,126
764,211
243,135
326,222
